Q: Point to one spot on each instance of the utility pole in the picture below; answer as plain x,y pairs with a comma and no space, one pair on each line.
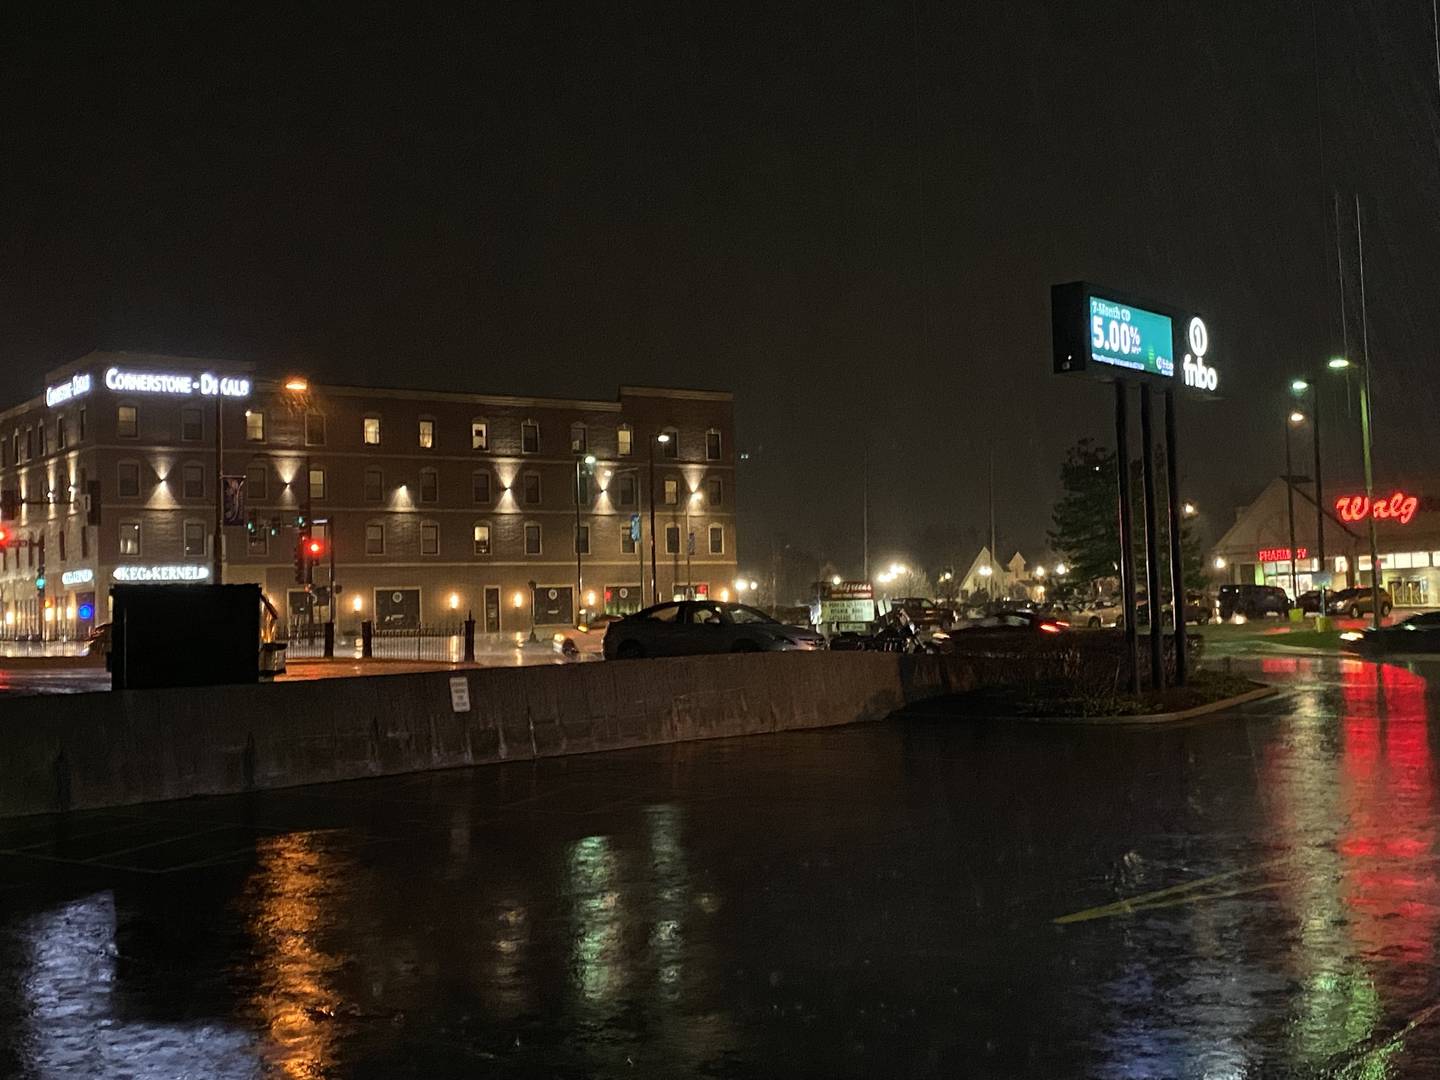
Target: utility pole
217,567
1290,507
1366,429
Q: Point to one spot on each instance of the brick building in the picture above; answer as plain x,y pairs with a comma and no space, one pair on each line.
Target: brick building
434,504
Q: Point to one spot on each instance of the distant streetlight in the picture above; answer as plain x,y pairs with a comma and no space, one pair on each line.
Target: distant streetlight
1219,562
1189,509
1298,386
296,384
1039,571
1061,569
1297,417
1341,363
1338,363
835,580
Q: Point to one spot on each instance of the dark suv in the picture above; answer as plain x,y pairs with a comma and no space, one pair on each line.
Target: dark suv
1252,601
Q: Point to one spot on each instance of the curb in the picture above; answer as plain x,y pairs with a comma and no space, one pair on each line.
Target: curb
1162,718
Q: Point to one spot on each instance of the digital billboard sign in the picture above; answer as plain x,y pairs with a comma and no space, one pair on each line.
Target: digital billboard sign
1115,336
1130,337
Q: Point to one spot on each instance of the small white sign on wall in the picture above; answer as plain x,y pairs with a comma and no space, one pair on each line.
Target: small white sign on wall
460,694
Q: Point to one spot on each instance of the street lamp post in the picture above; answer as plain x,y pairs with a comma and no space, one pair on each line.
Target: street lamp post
1294,418
1341,363
586,461
1300,387
217,568
662,438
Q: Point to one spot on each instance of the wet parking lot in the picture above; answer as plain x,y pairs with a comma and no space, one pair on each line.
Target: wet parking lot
1254,895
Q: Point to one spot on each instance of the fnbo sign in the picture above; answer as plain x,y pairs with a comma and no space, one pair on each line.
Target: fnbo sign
1116,337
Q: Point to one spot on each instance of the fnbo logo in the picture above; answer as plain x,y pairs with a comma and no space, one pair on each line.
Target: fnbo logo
1198,373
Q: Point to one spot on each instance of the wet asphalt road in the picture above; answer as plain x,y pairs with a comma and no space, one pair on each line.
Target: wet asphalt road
1254,895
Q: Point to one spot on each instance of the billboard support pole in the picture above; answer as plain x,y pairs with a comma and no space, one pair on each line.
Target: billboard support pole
1177,556
1152,545
1127,568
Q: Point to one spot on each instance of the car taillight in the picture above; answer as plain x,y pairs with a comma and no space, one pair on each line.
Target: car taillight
1050,627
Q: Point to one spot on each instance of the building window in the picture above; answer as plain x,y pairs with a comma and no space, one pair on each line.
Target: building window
374,538
129,479
29,443
627,493
194,539
80,434
672,539
672,491
427,434
578,438
532,539
429,486
529,437
625,440
314,429
127,421
671,446
41,433
192,423
192,482
532,488
374,485
481,535
129,538
62,543
257,481
715,491
712,445
480,486
429,538
84,542
584,488
316,481
717,540
371,431
627,540
479,435
254,425
60,442
582,540
258,542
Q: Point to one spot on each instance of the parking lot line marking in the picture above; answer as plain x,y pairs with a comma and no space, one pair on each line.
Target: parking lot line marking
1132,903
156,843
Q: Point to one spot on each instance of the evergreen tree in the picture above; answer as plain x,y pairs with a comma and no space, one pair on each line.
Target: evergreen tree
1085,530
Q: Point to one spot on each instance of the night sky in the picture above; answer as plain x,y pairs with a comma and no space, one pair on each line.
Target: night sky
849,214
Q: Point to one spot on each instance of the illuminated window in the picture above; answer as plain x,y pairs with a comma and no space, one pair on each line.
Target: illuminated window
480,485
429,538
257,477
129,479
127,421
625,439
192,482
317,483
479,435
427,434
712,445
254,425
314,429
194,539
370,431
429,486
374,538
192,423
529,437
672,491
129,538
532,539
717,540
481,537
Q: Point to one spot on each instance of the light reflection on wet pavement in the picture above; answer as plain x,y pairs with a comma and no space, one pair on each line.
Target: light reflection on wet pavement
1254,895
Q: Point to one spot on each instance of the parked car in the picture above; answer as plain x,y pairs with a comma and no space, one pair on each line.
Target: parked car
1358,602
1199,608
1012,622
697,627
1106,611
1309,601
585,641
1418,633
1253,601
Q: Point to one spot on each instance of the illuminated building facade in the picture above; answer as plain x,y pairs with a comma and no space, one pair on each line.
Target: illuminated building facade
432,505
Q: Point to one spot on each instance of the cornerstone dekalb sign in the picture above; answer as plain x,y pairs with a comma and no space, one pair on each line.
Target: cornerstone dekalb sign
174,382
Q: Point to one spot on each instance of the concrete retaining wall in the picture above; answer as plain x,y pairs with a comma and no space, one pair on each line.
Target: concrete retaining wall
93,750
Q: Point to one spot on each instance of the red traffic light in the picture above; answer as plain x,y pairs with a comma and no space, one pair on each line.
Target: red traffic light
315,548
4,537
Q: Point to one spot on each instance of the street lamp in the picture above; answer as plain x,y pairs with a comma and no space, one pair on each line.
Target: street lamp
1295,417
1189,509
1341,363
587,462
1301,387
662,438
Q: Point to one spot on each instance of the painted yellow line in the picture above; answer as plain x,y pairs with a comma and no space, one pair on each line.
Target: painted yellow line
1124,907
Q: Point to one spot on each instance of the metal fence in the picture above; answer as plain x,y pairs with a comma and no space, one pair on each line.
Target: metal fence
443,643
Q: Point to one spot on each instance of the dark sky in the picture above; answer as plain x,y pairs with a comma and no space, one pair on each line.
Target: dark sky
849,214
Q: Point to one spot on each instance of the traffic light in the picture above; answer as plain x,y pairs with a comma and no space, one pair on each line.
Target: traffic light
4,538
314,548
40,581
302,561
